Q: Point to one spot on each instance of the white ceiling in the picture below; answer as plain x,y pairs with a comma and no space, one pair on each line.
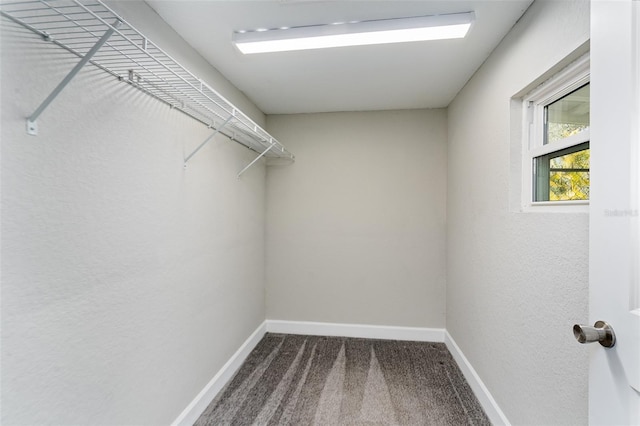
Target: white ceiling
397,76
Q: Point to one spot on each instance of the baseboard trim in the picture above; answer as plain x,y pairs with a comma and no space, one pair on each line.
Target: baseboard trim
215,385
356,330
204,398
485,398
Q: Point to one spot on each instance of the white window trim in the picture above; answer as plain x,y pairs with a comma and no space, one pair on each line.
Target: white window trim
572,77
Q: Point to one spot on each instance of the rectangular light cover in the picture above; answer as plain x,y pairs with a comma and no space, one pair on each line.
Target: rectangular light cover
400,30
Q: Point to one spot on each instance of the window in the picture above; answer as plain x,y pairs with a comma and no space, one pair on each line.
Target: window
556,152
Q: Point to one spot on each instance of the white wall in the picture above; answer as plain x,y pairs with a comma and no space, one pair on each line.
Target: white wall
517,282
127,281
356,227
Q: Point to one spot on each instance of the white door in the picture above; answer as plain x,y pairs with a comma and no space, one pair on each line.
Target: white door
614,256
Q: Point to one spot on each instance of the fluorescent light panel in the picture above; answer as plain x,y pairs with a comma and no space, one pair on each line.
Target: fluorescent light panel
385,31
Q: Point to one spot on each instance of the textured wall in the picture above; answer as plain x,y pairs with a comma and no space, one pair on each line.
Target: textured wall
127,281
517,282
356,227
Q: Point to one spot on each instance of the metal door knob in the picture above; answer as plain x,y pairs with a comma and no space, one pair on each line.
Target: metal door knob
600,332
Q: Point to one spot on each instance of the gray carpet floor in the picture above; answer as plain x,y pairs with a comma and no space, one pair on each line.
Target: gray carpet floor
313,380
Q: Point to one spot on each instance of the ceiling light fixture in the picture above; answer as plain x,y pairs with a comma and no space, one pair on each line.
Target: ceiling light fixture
400,30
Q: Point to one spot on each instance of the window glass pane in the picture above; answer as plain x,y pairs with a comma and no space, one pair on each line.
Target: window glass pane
567,116
563,175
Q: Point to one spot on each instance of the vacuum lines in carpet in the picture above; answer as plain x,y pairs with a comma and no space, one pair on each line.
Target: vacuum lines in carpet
315,380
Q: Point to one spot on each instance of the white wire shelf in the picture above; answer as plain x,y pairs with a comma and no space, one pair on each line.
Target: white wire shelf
96,34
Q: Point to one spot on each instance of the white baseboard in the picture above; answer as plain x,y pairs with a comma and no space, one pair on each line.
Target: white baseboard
204,398
356,330
487,402
215,385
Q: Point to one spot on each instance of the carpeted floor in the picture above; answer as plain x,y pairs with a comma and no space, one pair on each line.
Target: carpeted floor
305,380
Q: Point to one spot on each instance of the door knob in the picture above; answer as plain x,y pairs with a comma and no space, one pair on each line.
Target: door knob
600,332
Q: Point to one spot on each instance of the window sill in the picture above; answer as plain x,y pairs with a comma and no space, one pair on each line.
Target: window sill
580,206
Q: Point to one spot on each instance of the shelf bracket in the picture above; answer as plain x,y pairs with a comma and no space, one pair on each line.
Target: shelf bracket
257,158
32,125
218,130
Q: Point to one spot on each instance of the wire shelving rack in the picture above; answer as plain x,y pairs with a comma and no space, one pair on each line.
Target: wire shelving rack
96,34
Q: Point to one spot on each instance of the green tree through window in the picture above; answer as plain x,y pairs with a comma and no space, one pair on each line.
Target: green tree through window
569,177
563,174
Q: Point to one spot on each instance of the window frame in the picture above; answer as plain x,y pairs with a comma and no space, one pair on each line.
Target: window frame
571,78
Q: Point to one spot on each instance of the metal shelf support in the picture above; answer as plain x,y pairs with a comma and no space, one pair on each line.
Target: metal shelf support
97,35
32,125
254,161
218,130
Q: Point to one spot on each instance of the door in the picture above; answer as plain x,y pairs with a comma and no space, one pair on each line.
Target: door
614,256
